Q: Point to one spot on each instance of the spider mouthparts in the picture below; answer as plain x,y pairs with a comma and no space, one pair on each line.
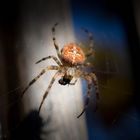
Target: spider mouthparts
64,81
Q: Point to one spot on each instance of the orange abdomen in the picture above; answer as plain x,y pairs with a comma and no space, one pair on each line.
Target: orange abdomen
73,54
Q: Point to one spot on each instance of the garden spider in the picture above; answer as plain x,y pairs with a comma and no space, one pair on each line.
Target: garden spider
71,64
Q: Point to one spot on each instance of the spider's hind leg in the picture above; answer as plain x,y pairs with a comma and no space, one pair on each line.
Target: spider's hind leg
87,98
96,85
91,77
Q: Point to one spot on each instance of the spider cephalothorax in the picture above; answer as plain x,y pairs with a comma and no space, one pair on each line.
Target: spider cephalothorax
70,65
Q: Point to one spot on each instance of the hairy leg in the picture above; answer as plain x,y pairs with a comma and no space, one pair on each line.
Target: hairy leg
48,89
96,85
49,57
38,76
54,40
88,65
87,97
91,43
92,80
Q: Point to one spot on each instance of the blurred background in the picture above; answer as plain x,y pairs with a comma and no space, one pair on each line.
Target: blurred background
25,37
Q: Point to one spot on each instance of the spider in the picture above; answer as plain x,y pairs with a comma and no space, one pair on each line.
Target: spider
70,65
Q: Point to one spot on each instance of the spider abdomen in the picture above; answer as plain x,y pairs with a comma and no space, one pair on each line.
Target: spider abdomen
73,54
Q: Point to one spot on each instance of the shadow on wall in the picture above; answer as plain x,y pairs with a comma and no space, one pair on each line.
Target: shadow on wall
32,128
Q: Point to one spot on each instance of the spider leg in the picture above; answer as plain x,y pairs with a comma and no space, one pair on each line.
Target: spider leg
38,76
96,87
48,89
91,77
88,64
87,97
54,40
49,57
73,82
91,43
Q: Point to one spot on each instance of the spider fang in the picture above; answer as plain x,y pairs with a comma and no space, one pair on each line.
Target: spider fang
64,81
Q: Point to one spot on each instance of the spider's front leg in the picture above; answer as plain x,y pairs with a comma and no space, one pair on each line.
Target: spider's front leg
91,79
38,76
49,57
54,40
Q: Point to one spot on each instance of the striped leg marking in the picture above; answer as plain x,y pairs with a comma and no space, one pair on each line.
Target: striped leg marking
96,87
54,40
91,77
38,76
91,42
87,98
50,57
48,89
